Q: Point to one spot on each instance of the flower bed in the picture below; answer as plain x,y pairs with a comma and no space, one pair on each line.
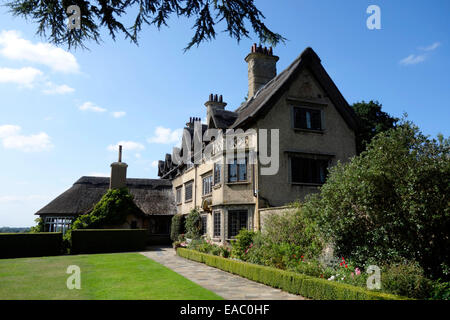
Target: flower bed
307,286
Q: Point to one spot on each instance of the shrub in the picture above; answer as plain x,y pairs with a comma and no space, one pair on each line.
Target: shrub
176,228
295,228
112,209
242,244
17,245
193,225
288,281
391,202
108,240
406,279
39,227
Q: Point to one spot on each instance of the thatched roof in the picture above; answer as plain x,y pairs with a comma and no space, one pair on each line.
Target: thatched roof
152,196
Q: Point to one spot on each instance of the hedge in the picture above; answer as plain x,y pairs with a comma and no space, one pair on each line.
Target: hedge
296,283
19,245
107,240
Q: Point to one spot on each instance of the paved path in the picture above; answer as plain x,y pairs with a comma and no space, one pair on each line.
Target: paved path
226,285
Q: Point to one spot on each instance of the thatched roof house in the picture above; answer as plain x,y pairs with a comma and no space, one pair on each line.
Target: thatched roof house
152,196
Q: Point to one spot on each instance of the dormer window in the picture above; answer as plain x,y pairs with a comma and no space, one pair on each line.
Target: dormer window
307,119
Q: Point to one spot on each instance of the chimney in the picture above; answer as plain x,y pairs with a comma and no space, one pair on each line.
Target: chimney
118,173
262,67
214,102
192,121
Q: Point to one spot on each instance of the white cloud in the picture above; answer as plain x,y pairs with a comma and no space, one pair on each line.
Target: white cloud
52,88
126,145
413,59
432,47
138,155
8,130
26,76
155,163
12,139
166,136
118,114
14,47
89,106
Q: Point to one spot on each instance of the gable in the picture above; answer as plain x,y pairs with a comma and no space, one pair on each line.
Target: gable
267,96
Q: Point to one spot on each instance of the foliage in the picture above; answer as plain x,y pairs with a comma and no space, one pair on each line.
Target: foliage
292,282
112,209
406,279
39,227
295,228
17,230
372,120
391,202
207,246
52,18
242,244
176,228
193,225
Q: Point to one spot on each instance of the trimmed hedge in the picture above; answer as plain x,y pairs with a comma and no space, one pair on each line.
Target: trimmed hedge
19,245
108,240
296,283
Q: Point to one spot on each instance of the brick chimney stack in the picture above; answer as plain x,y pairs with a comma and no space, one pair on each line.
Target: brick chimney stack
262,67
118,173
214,102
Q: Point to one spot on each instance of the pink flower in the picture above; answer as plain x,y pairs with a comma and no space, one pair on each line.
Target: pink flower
357,271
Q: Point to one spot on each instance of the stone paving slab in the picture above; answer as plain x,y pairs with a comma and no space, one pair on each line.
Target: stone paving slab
226,285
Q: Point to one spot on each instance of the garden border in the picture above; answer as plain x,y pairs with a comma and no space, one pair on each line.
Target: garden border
296,283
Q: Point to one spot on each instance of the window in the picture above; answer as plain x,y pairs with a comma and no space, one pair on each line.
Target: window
310,119
217,224
207,185
237,171
57,224
217,169
308,170
188,192
204,222
237,220
178,196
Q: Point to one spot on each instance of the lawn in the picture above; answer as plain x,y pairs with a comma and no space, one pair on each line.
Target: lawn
103,276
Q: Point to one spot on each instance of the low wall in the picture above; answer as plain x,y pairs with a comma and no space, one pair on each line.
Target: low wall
18,245
265,212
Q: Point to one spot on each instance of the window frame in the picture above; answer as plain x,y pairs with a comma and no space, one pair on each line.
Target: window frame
238,165
217,179
217,225
179,200
210,177
314,178
240,213
186,185
311,110
204,219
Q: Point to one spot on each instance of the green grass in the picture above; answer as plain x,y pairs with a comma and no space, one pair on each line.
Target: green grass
103,276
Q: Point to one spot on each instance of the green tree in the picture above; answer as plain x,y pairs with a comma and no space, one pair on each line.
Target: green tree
372,120
112,209
52,17
193,225
391,202
39,227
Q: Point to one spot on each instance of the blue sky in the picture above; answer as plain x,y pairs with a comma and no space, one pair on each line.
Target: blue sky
61,113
